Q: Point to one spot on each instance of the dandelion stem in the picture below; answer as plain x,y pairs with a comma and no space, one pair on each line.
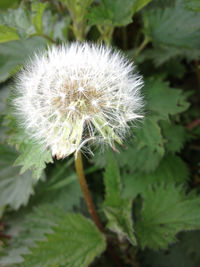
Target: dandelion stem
86,192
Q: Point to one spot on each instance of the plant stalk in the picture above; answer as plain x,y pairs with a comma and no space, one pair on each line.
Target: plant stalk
86,192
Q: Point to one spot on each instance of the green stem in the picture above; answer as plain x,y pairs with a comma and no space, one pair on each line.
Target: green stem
141,47
86,192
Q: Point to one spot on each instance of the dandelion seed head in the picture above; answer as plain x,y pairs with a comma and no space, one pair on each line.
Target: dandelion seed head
77,94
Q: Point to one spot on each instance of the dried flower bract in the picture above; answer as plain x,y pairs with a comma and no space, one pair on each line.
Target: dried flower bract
77,94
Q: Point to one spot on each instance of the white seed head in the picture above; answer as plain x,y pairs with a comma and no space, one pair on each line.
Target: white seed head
77,94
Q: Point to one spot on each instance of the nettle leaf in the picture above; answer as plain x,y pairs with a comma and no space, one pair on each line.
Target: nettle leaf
171,169
193,5
149,134
139,4
32,155
15,189
14,54
175,136
8,3
59,194
38,8
7,34
163,100
166,211
20,19
169,32
75,241
118,210
114,13
185,253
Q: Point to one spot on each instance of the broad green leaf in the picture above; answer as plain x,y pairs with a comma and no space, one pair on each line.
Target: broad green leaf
14,54
8,34
118,210
163,100
8,3
149,135
20,19
175,136
75,241
184,253
170,35
38,8
51,202
171,169
15,189
139,4
193,5
112,13
166,211
33,156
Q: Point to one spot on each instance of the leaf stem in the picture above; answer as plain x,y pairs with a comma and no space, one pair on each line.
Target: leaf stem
141,47
86,192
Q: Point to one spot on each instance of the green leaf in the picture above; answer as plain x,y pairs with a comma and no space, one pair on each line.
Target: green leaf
20,19
75,241
193,5
174,135
8,34
15,189
8,3
139,4
149,134
171,169
185,253
163,100
51,203
14,54
170,34
38,8
113,13
34,157
118,210
166,211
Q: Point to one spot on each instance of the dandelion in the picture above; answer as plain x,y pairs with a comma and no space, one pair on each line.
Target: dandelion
74,95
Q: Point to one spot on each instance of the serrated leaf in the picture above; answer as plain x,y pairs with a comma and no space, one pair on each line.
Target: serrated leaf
75,241
139,4
185,253
112,13
169,33
14,54
193,5
163,100
34,157
38,8
171,169
20,19
149,134
118,210
8,34
15,189
50,205
8,3
174,135
166,211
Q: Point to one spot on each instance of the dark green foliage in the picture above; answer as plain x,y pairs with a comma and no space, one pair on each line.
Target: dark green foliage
147,195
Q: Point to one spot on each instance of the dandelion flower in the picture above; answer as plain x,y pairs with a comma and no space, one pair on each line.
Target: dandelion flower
77,94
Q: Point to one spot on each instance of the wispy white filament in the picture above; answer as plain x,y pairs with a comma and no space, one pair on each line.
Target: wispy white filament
76,94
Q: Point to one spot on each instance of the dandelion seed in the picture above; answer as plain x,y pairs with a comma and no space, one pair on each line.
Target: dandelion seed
75,94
